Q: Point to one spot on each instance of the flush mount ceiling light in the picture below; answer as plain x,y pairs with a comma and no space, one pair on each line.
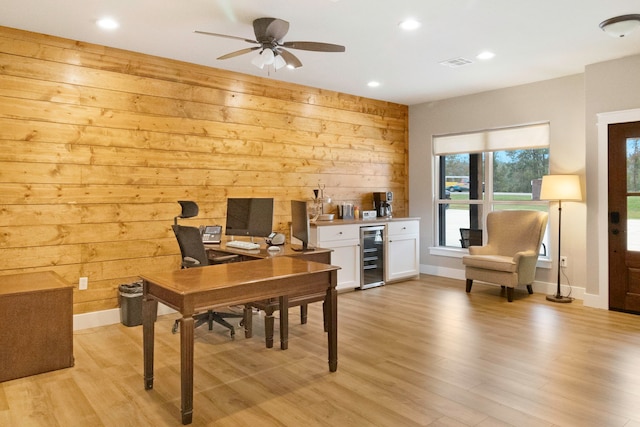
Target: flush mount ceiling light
621,26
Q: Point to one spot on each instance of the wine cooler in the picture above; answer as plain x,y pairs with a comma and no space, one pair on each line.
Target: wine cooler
372,256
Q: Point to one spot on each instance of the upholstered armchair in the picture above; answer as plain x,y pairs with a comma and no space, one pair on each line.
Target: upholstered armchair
510,255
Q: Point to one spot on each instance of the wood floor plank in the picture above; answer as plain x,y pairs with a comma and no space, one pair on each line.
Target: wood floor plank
416,353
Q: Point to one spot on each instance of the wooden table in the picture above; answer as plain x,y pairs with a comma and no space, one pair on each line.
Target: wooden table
194,290
271,305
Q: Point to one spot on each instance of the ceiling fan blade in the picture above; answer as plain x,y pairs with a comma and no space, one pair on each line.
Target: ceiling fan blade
239,52
290,58
268,29
226,36
315,46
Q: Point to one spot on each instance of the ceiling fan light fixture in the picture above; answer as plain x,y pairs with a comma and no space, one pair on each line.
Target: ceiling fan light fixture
268,56
270,33
279,62
621,26
258,60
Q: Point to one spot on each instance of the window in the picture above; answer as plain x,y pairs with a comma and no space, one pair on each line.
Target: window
484,171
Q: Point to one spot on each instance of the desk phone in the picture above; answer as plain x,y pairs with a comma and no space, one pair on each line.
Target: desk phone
212,234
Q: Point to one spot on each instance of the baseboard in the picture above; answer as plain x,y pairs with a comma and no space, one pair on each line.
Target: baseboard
107,317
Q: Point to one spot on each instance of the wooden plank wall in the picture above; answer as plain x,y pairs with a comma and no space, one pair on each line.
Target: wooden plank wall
98,144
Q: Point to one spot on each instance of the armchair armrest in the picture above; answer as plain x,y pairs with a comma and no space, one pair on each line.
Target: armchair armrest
483,250
526,262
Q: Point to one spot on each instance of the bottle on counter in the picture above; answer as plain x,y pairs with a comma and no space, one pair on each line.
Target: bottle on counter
356,212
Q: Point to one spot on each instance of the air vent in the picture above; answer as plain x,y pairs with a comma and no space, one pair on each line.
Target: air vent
456,62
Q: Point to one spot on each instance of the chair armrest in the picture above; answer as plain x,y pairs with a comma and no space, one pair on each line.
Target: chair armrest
188,262
482,250
526,262
222,258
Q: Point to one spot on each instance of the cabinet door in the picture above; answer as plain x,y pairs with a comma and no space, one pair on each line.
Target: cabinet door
402,257
346,255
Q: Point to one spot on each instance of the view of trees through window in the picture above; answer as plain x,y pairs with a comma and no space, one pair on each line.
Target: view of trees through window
473,184
513,170
633,165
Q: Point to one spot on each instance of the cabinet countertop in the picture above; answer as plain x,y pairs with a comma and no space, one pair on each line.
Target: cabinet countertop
362,221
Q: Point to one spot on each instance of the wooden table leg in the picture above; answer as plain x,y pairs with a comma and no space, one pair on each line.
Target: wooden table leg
284,322
186,368
149,308
331,302
247,321
268,327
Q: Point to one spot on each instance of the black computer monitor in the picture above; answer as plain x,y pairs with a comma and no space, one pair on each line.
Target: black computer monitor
300,223
249,217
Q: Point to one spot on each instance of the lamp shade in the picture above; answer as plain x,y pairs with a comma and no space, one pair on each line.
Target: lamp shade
561,187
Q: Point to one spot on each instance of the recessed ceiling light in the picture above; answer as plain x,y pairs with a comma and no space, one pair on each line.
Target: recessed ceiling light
409,24
373,83
485,55
108,23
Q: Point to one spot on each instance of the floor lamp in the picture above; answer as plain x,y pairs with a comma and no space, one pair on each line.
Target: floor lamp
560,188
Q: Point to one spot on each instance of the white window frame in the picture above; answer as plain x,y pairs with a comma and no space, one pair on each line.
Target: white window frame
535,136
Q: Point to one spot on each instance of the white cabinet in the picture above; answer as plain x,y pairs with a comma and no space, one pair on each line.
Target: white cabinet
403,250
344,240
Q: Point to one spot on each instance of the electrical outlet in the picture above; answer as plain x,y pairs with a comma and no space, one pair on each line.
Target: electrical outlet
83,283
563,262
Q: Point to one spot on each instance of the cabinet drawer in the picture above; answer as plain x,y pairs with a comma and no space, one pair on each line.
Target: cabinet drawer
338,232
395,228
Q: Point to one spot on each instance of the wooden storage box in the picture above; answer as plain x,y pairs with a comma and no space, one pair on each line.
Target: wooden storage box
36,324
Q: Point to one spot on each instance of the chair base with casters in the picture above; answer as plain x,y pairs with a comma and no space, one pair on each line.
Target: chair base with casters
209,318
510,256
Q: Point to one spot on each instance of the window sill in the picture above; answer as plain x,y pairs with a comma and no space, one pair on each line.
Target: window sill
543,262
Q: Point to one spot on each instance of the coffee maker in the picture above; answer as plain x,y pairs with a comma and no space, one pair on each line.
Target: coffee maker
382,204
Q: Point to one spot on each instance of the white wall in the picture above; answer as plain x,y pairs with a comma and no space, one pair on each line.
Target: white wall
612,86
559,101
607,91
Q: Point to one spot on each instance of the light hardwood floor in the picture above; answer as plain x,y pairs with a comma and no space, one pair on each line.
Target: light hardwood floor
417,353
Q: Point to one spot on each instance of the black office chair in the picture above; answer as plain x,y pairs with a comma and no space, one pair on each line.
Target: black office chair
470,237
194,254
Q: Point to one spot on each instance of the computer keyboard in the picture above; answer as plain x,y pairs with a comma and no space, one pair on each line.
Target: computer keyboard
239,244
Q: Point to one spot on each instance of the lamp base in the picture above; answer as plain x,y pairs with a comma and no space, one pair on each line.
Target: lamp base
559,298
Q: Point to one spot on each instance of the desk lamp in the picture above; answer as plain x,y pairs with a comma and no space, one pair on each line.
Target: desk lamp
560,188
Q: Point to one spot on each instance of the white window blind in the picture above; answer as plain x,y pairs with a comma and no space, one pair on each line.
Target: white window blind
513,138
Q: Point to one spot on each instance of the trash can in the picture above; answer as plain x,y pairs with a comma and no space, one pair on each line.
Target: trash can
131,303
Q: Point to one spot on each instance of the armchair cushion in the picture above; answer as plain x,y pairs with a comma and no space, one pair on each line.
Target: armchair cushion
492,262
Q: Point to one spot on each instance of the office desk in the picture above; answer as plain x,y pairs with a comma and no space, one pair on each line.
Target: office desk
269,306
190,291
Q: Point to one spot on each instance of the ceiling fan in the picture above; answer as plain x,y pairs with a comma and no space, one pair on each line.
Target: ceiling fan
269,38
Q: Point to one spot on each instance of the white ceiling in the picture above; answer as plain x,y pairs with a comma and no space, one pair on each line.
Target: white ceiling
533,39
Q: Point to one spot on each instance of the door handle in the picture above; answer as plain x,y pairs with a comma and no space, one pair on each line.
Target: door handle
615,231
